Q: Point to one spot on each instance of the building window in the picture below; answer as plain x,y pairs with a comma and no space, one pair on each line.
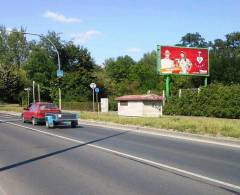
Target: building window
123,103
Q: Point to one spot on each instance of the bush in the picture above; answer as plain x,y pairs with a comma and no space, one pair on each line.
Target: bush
87,106
216,100
83,106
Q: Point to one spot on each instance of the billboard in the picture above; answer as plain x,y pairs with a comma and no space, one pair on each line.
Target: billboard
182,60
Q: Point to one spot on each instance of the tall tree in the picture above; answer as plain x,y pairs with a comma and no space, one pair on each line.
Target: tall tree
193,40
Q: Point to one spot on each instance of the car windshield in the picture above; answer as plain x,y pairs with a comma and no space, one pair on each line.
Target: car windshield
48,106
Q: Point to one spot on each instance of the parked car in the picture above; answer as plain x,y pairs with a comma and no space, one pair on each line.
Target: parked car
48,113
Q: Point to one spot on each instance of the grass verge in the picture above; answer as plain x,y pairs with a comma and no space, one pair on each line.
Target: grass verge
11,108
196,125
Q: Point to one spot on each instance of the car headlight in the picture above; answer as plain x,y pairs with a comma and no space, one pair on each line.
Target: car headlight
59,115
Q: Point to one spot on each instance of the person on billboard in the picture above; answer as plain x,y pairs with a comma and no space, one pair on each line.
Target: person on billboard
166,63
184,63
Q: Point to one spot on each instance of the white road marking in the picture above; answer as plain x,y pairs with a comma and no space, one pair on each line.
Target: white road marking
160,165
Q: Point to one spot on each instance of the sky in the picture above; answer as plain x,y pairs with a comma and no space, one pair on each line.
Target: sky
111,28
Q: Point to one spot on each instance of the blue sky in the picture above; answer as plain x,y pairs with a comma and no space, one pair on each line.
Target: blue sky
110,28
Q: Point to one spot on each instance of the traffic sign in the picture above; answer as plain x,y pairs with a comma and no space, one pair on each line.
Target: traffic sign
97,90
93,85
59,73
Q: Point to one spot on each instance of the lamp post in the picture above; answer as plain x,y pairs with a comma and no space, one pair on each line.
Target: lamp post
58,57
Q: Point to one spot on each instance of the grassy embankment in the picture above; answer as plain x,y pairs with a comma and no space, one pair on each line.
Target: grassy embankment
10,107
195,125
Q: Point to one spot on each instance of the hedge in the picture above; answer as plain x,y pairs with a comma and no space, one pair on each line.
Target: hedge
215,100
86,106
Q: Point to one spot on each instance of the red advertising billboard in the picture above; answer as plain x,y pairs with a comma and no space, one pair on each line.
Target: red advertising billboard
182,60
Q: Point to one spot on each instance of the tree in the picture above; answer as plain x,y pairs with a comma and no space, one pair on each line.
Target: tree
75,58
40,67
13,54
193,40
119,69
145,73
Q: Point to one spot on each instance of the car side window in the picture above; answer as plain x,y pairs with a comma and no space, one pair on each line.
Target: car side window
33,107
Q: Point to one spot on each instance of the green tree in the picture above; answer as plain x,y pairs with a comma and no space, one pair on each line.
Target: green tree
145,73
13,54
40,67
193,40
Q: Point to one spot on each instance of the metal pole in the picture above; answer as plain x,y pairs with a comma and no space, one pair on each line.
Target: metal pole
60,98
93,101
205,81
167,86
28,96
34,92
164,98
39,97
97,103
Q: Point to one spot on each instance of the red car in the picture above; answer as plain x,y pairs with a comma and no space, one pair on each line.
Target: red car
36,112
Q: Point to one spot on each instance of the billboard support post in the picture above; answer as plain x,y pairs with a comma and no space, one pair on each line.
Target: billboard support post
167,86
205,81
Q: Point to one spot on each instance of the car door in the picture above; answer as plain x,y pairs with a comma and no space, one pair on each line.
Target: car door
29,113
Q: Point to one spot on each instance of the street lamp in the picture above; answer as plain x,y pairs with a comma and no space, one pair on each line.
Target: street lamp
58,56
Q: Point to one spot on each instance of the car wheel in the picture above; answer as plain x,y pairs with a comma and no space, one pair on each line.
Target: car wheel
48,125
34,122
74,124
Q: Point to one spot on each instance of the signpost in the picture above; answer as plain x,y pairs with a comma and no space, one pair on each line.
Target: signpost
93,86
60,73
97,91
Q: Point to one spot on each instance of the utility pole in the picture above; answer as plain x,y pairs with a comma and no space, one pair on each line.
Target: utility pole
28,95
39,97
34,92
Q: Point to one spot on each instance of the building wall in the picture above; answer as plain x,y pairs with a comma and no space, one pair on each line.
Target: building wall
139,108
152,109
132,108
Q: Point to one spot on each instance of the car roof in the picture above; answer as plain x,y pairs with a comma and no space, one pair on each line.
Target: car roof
42,103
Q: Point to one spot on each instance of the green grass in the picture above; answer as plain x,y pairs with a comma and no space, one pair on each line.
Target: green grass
11,107
196,125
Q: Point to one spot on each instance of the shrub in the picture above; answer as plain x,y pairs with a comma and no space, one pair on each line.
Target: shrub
216,100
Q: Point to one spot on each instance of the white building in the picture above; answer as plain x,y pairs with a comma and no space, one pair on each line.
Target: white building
140,105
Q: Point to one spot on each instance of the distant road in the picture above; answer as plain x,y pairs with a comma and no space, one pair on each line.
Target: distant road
84,161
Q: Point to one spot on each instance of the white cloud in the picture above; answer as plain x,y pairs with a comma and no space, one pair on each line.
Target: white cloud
133,50
80,38
60,18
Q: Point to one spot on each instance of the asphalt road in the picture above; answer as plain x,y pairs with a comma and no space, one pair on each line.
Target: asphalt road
34,163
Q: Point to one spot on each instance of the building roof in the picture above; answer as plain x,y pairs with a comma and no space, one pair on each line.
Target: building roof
148,97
